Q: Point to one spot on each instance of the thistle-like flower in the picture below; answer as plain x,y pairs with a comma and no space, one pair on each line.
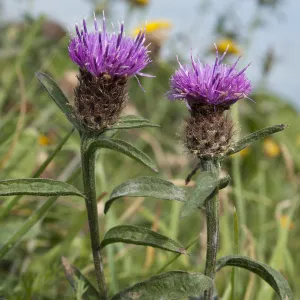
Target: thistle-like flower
217,85
105,61
209,90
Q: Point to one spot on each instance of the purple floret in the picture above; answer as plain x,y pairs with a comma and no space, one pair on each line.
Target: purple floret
100,52
217,84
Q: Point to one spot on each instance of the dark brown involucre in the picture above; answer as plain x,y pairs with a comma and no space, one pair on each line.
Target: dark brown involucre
209,130
99,100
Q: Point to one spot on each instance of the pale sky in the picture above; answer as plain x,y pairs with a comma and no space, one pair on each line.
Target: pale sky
281,30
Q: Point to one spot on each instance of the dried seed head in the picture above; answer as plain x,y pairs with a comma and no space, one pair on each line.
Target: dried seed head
99,100
209,130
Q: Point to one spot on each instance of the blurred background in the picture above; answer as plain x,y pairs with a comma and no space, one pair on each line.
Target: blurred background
265,177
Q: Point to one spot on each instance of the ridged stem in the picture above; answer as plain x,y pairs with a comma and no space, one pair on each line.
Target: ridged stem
88,174
212,223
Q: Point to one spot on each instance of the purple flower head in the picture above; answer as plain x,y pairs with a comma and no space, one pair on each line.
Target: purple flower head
217,84
100,52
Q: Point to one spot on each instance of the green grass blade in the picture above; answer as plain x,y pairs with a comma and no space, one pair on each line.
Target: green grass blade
236,251
7,206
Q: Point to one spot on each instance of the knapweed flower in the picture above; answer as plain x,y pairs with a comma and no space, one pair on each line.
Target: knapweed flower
216,85
208,91
105,61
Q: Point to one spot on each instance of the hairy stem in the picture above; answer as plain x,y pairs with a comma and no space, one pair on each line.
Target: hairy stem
212,223
88,174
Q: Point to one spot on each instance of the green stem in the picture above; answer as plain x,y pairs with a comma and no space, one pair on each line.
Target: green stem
212,223
88,174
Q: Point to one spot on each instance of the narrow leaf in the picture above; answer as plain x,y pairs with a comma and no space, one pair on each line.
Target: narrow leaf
251,138
141,236
271,276
206,184
37,187
125,148
72,273
132,121
58,96
36,216
167,286
147,187
223,182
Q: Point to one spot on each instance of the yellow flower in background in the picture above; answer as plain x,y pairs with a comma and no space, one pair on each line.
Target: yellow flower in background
298,140
140,2
233,47
154,26
284,219
271,149
245,152
44,140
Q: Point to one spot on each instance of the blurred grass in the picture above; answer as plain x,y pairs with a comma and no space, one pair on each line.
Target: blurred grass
265,187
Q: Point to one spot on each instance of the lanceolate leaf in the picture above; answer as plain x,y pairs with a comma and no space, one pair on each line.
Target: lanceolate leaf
58,96
72,273
37,187
251,138
131,121
223,182
206,184
125,148
271,276
147,187
167,286
140,236
36,216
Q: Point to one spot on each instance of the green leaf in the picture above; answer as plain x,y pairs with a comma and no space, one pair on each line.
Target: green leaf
251,138
30,222
206,184
122,147
223,182
72,273
58,96
167,286
271,276
37,187
132,121
141,236
146,187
